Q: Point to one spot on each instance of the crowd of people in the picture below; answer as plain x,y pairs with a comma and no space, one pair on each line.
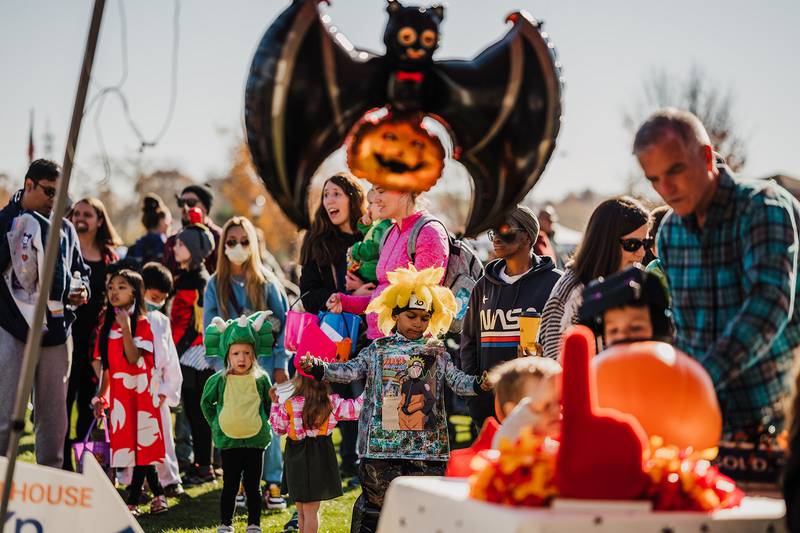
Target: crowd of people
179,346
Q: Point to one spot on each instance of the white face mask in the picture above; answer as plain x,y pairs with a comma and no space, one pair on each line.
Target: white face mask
238,254
153,306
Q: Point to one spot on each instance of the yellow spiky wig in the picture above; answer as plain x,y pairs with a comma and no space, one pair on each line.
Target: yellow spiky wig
424,286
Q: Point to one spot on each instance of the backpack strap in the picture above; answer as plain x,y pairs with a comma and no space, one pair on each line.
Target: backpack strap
385,236
290,411
412,239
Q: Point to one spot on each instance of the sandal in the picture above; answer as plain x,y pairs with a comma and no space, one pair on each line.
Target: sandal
158,505
134,510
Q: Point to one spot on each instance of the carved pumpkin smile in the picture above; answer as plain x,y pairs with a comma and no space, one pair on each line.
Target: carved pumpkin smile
395,151
398,167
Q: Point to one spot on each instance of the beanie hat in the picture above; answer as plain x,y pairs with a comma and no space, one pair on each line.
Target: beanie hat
196,237
254,330
203,193
526,220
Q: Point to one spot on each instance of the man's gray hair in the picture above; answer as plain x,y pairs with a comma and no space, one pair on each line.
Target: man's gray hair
684,124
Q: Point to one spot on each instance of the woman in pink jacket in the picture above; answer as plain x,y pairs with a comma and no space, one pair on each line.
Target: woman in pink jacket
432,250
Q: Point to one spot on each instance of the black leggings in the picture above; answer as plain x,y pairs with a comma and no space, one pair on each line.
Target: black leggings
137,482
241,465
192,391
81,388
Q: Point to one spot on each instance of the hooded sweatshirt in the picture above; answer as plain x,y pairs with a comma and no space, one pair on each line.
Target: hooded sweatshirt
491,327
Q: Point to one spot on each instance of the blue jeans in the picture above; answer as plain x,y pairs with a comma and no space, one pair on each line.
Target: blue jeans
272,471
183,437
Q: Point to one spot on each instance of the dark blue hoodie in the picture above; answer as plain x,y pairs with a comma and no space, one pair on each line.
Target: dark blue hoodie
491,326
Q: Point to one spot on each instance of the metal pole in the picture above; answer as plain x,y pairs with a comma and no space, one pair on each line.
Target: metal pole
33,346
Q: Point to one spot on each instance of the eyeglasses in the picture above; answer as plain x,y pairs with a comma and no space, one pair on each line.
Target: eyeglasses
191,202
50,192
506,234
631,245
231,243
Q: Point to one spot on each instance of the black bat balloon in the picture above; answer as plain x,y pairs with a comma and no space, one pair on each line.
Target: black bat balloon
308,86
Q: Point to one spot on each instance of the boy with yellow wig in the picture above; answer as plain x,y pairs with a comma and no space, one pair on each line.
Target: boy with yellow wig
403,424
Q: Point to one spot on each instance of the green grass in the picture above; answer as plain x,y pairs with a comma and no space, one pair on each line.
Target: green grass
200,512
199,509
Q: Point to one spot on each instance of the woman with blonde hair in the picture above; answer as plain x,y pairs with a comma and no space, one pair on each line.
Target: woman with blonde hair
240,286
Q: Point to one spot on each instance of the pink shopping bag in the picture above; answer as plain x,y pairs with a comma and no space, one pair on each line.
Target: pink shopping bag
296,323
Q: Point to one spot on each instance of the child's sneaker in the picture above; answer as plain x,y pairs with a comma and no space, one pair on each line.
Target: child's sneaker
159,505
202,475
174,491
273,498
292,525
252,528
225,529
134,510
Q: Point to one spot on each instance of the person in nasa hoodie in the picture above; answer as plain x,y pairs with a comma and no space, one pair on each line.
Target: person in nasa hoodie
517,281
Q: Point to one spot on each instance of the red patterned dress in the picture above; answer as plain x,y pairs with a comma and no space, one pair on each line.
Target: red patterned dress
135,421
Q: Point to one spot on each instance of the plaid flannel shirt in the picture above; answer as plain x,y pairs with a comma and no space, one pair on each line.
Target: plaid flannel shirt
733,285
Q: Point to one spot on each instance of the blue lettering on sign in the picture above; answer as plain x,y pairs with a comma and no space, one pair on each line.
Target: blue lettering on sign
20,524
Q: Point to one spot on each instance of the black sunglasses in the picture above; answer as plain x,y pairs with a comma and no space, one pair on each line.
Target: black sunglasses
231,243
631,245
506,234
191,202
50,192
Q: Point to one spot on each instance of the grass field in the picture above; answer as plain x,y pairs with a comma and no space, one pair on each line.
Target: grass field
199,509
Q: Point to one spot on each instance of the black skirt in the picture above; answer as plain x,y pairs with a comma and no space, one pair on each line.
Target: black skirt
311,468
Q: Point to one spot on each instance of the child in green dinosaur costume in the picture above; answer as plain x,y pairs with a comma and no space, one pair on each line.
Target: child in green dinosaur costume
236,404
363,256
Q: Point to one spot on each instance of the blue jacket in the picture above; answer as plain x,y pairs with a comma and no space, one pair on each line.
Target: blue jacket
69,260
277,302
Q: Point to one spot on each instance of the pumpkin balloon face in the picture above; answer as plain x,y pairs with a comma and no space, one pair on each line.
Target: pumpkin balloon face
396,152
670,393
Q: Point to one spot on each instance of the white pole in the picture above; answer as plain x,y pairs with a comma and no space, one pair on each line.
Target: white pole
33,345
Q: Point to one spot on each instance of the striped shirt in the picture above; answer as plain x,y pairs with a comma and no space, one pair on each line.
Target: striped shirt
195,357
560,312
287,418
733,284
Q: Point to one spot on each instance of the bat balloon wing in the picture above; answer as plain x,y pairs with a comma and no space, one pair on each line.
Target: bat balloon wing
307,86
504,109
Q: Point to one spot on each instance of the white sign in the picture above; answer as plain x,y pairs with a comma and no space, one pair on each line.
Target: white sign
45,499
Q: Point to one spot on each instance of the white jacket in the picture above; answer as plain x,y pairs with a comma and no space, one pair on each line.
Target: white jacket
167,368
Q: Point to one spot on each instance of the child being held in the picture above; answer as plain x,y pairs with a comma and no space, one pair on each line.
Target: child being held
308,417
527,393
362,258
236,404
403,427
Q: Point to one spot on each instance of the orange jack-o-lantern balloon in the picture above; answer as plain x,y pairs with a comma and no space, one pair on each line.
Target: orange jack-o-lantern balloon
670,393
395,151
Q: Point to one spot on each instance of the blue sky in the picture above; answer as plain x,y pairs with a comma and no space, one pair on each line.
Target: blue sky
607,49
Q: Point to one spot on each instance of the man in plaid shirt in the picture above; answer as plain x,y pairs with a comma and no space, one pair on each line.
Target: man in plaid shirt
730,252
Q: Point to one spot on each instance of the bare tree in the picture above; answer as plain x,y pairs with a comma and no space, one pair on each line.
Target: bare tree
696,93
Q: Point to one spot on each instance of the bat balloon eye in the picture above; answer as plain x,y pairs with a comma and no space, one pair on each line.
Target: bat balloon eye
406,36
389,136
418,144
428,38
